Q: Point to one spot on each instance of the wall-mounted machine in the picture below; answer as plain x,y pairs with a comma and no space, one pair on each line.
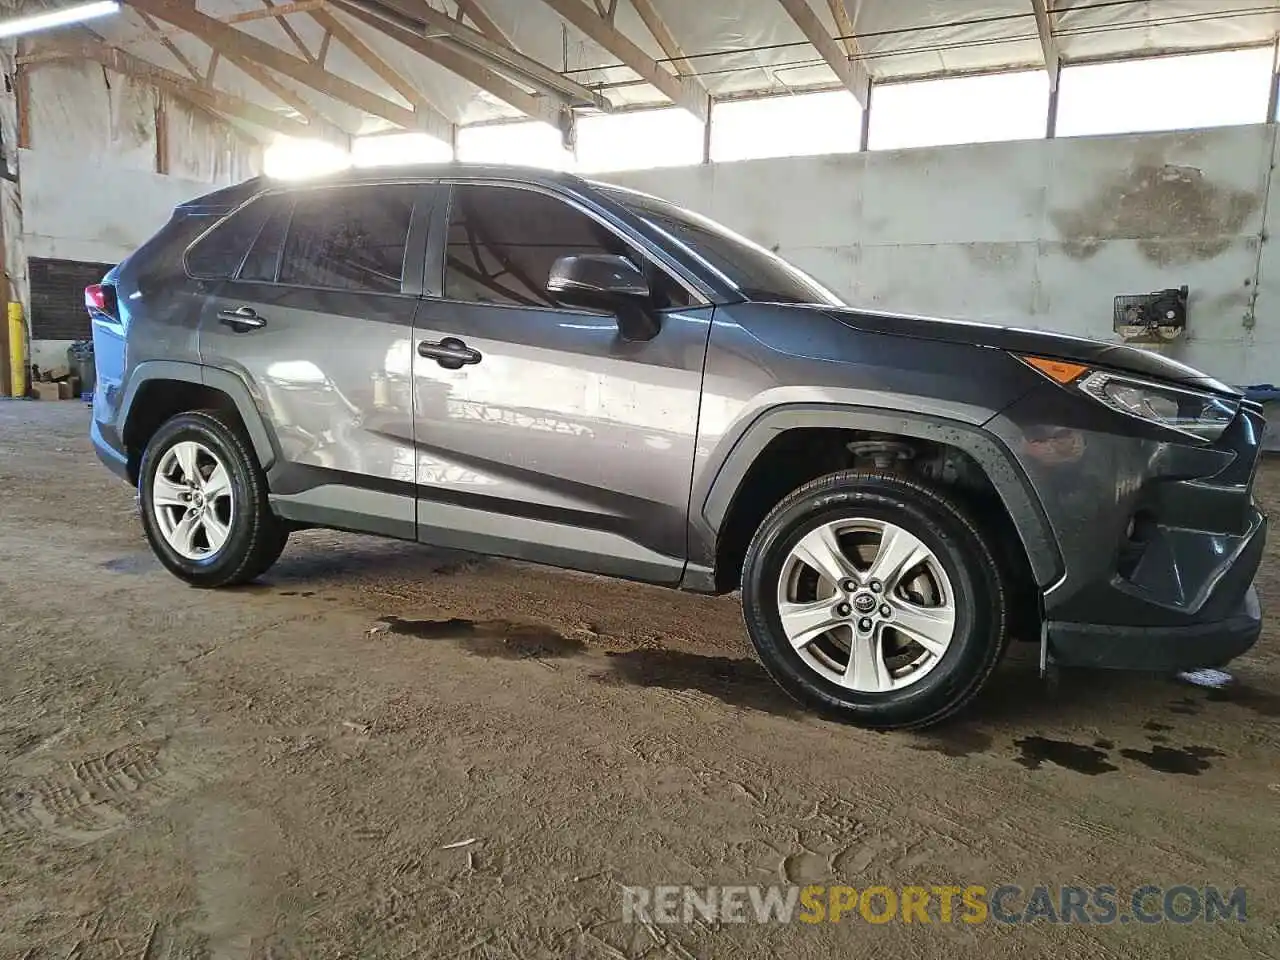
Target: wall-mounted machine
1158,317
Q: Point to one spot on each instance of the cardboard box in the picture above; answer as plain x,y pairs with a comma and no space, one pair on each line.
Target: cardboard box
44,391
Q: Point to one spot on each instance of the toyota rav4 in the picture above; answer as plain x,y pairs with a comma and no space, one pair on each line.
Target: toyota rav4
527,364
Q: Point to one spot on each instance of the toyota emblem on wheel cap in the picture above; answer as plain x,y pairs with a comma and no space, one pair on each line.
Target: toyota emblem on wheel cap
864,603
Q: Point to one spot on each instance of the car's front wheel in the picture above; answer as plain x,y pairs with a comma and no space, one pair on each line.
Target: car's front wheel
204,505
875,599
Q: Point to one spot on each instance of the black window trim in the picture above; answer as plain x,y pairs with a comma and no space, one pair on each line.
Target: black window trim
433,288
275,276
409,286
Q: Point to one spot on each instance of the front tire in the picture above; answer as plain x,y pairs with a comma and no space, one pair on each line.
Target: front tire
875,600
203,499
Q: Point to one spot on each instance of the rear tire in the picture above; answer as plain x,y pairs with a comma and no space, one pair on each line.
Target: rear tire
203,499
894,604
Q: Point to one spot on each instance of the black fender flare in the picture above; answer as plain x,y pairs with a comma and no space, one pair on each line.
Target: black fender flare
221,380
1010,482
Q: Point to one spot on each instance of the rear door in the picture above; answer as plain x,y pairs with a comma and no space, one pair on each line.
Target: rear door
553,439
317,320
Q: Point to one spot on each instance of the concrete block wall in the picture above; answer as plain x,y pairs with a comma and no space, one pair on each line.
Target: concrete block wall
1040,233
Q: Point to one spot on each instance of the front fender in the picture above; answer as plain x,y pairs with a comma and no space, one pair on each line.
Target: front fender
1006,476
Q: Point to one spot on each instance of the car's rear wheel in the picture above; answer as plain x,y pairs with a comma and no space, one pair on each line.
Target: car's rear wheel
204,505
875,599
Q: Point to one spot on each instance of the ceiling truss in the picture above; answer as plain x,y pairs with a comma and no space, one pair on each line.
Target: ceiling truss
682,91
843,64
1048,42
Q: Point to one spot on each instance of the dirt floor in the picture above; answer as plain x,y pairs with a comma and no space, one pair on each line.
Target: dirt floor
380,751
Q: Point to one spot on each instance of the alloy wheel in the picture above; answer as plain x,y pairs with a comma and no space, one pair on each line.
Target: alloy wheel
866,605
192,500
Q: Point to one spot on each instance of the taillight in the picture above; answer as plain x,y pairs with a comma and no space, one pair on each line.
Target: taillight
100,298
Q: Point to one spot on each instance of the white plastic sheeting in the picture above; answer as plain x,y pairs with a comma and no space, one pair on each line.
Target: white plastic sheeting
741,47
101,118
80,109
205,149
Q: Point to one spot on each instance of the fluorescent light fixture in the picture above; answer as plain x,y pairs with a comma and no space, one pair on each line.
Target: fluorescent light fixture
58,18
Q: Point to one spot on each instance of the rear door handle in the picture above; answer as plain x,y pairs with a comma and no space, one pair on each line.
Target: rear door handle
450,352
241,319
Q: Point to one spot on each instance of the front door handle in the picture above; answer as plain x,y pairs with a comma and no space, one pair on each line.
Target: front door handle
241,319
451,353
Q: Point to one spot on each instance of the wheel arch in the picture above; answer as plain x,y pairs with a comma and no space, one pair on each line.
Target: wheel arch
734,477
160,389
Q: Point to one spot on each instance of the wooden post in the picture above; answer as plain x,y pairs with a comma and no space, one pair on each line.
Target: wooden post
162,134
6,368
22,98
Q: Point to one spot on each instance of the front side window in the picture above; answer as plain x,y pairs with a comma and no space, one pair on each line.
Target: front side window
503,241
756,272
349,238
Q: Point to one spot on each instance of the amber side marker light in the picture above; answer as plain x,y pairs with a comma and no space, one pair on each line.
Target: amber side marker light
1059,371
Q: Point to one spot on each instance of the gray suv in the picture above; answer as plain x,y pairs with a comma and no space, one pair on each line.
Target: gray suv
526,364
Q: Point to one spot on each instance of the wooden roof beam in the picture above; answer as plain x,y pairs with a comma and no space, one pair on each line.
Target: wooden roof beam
396,19
666,40
232,42
503,57
317,121
126,64
287,27
371,59
851,72
472,10
682,91
167,42
1048,42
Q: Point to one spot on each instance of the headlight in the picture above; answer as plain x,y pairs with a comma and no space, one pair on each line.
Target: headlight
1197,413
1202,415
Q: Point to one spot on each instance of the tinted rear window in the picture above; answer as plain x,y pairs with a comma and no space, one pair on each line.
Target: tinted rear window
217,255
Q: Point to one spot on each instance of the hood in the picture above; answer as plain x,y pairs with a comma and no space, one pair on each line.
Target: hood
1059,346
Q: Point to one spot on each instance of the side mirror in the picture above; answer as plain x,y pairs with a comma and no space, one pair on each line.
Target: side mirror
595,277
606,282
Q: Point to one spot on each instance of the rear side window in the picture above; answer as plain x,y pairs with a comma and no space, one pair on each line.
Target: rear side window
503,241
349,238
263,259
217,255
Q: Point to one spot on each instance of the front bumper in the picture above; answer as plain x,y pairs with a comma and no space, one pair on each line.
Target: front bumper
1187,647
1160,539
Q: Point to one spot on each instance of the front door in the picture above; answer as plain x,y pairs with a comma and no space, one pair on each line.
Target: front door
543,434
318,322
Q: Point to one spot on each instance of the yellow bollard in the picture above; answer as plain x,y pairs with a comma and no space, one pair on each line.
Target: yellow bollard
17,352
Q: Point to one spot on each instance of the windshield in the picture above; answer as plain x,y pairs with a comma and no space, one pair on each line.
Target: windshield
757,273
